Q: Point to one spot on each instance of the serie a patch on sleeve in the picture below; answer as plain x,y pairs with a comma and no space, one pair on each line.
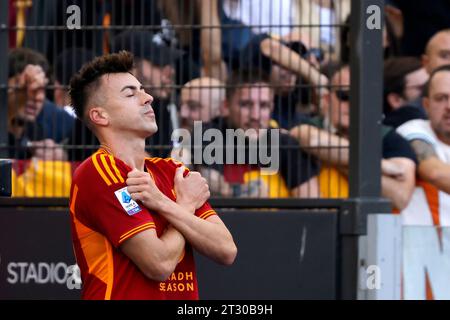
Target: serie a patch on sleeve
129,205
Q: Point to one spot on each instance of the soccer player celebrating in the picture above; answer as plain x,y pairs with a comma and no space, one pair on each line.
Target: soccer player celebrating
135,219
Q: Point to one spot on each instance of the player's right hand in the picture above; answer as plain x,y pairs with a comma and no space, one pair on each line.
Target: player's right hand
142,188
192,190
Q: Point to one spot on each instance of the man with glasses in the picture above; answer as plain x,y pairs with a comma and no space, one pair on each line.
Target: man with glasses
404,79
327,138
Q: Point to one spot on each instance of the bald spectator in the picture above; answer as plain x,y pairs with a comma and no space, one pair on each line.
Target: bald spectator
200,101
437,51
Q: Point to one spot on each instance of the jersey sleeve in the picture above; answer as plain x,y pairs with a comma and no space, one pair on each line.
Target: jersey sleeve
107,205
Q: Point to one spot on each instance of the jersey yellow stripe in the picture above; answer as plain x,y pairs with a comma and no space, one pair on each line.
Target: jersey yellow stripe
182,256
108,169
205,213
116,170
138,227
74,198
208,215
100,171
110,266
149,224
136,231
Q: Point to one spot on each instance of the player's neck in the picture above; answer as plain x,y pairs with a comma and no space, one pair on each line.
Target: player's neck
131,152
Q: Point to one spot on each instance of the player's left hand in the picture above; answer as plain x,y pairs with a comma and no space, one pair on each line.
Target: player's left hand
192,190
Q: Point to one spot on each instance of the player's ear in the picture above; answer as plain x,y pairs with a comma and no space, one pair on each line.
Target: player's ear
98,116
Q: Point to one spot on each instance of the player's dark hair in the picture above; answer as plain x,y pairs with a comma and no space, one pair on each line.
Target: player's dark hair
86,82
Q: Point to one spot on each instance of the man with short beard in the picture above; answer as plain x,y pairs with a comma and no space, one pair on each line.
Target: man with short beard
430,139
247,108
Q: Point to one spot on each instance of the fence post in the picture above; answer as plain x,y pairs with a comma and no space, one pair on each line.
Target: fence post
366,68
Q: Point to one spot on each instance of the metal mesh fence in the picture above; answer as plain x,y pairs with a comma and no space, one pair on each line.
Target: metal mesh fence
254,94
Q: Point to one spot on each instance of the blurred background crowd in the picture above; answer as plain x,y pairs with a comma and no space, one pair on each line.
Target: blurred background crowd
235,64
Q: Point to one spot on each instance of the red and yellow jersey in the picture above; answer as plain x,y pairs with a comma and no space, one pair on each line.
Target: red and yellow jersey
104,216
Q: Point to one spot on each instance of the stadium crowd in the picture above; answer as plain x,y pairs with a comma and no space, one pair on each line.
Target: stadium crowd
240,64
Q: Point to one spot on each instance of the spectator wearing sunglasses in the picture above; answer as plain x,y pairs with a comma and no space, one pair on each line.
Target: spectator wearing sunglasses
327,138
404,79
288,64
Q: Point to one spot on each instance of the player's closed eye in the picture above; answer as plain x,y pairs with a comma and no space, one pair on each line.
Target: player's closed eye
441,98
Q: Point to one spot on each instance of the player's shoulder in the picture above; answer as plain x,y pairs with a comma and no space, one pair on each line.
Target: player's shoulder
101,168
